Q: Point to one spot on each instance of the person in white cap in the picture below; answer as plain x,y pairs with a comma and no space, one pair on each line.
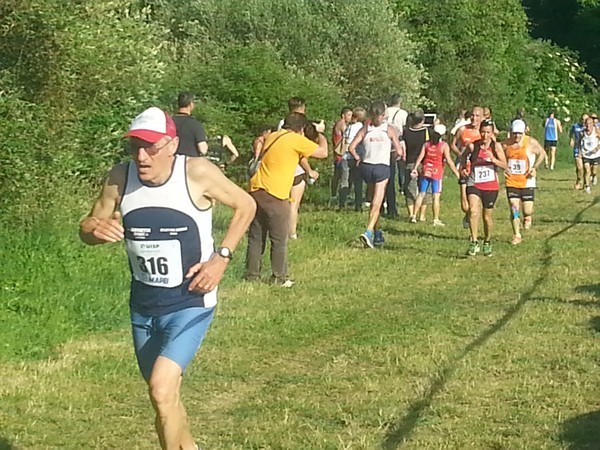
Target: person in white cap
160,205
432,171
524,155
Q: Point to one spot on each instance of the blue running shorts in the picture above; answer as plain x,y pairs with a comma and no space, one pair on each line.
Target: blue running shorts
176,336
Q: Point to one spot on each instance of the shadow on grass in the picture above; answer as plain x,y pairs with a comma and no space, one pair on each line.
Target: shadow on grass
595,325
415,232
400,432
582,432
6,445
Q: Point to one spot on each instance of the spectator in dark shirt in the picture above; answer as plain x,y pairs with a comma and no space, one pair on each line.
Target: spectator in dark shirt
192,137
415,136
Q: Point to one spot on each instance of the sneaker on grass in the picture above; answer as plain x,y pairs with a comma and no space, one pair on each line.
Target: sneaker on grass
367,239
378,240
474,248
487,248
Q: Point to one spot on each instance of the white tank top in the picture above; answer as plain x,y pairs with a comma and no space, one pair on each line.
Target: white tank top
165,234
378,145
589,145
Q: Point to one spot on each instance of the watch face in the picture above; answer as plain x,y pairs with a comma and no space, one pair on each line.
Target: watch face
224,252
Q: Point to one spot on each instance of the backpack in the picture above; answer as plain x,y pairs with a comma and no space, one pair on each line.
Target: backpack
254,163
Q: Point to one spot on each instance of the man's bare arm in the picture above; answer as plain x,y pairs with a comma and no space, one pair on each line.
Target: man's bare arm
202,148
321,151
103,224
455,139
208,183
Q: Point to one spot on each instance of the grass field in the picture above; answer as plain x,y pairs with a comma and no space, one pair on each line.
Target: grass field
411,346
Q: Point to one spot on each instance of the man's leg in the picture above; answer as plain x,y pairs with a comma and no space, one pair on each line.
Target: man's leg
378,194
552,157
578,171
344,183
335,179
358,184
527,213
390,190
514,205
257,240
171,422
278,212
401,166
586,175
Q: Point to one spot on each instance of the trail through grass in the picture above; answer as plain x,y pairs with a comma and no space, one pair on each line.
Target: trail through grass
411,346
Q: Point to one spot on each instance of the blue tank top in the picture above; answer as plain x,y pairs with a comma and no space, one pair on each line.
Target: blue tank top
550,130
577,132
165,234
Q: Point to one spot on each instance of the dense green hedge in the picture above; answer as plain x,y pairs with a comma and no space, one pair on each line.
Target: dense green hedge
72,74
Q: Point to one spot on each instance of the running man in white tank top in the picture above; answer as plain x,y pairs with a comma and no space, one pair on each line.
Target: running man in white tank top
378,137
590,150
165,202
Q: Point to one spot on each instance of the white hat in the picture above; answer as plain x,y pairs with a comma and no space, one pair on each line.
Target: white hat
152,125
518,126
440,129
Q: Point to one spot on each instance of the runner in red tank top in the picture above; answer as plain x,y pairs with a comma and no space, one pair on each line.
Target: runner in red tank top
432,171
484,157
465,136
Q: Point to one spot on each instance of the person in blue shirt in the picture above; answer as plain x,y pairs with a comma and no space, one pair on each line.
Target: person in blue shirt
552,130
575,135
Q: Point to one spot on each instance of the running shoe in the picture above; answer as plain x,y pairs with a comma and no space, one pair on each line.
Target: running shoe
487,248
367,239
466,221
422,219
474,248
293,237
285,283
378,240
438,223
527,222
412,219
594,180
516,240
588,190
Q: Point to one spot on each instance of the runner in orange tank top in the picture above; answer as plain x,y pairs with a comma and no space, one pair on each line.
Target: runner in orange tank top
524,155
466,135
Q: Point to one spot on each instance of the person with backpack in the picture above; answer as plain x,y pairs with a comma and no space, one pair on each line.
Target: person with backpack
479,164
340,157
270,187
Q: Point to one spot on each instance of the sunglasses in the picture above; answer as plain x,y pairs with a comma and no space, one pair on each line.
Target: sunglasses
151,149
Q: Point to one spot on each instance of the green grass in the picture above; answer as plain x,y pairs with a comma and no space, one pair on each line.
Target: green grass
412,346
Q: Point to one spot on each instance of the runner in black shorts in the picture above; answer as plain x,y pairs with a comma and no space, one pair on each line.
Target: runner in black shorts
480,161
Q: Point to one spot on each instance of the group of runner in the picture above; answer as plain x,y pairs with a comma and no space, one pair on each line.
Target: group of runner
160,205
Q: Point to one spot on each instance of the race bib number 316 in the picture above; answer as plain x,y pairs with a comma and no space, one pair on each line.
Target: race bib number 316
156,263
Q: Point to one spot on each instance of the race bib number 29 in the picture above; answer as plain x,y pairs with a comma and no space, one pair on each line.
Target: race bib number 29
156,263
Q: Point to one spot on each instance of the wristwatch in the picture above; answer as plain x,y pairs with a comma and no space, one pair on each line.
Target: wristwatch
224,252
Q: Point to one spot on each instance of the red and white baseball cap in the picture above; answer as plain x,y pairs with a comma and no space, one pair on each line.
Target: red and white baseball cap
152,125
